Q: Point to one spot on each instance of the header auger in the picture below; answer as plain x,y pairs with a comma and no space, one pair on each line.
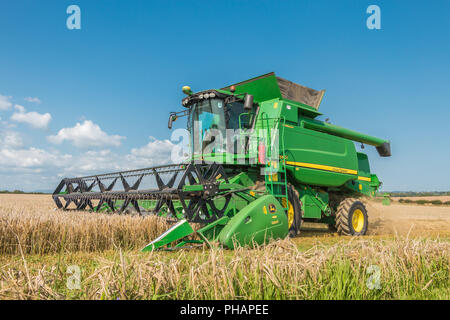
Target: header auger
260,164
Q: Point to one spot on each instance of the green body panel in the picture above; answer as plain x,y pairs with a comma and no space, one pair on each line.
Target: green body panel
256,223
306,146
263,89
314,203
176,232
341,132
310,209
363,165
318,177
211,231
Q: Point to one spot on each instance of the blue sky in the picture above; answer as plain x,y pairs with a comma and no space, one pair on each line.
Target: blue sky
121,74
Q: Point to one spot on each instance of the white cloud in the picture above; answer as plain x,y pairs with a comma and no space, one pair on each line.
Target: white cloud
34,119
19,108
5,104
155,152
31,168
31,158
14,157
94,162
10,139
86,134
33,100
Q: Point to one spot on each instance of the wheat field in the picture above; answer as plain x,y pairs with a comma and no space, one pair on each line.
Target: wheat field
39,245
36,227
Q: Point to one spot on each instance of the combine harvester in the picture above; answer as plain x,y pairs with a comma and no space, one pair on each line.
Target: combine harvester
260,164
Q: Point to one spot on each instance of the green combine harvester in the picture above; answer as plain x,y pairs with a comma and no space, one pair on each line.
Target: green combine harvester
260,164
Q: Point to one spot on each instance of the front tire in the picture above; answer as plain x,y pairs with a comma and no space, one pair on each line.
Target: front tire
352,218
294,212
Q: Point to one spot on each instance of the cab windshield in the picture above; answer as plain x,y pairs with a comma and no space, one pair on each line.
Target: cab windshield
209,120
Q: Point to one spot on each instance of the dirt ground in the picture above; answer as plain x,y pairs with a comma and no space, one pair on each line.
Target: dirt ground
398,219
430,198
408,218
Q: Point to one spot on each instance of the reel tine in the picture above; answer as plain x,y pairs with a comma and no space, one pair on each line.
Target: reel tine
159,181
68,202
110,204
99,205
100,185
136,206
137,183
172,180
89,204
171,209
158,206
58,203
125,184
111,186
84,204
91,186
125,204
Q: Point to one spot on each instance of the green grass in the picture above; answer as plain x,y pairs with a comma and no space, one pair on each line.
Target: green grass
409,269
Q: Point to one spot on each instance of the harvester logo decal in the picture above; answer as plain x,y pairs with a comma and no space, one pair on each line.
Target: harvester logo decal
272,208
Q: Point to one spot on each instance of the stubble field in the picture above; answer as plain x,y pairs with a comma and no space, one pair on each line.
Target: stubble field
44,252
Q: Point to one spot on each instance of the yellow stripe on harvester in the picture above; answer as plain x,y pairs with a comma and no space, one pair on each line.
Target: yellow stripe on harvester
364,179
321,167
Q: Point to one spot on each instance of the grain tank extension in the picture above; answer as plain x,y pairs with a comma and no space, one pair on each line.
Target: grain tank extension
260,164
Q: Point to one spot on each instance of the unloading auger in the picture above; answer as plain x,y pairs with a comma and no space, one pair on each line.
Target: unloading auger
261,164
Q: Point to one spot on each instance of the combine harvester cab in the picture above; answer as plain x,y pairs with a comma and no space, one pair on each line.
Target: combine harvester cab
261,164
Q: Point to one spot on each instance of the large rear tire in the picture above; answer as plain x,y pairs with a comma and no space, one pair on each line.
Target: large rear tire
294,211
352,218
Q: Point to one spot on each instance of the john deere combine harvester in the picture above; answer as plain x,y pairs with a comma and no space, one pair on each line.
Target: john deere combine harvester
260,164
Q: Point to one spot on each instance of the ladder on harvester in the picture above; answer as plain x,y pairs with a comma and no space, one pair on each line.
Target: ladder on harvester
275,169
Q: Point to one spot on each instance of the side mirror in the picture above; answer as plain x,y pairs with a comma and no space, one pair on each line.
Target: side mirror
172,118
248,102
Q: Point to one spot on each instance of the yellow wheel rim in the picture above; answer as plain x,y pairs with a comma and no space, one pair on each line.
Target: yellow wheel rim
358,220
290,213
